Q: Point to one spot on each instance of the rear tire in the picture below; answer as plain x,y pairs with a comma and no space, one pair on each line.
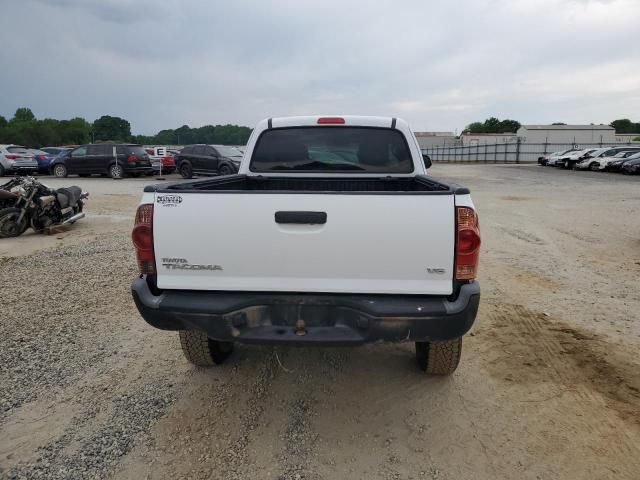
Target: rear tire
594,167
186,170
60,171
225,170
116,171
203,351
439,358
2,172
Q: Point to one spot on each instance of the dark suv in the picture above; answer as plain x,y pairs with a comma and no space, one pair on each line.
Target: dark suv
208,160
116,160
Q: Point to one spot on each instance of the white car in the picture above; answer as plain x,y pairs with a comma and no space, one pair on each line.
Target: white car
594,160
554,158
331,233
16,159
591,161
602,162
568,160
617,165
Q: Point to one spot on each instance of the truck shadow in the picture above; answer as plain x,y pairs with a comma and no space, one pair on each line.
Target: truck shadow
366,406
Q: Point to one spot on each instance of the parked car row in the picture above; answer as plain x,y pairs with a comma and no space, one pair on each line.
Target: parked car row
624,159
116,160
120,159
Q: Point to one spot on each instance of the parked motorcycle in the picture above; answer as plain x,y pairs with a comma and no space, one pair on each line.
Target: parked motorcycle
25,202
7,199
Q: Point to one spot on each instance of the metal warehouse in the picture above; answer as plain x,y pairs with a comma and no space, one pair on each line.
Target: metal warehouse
430,139
469,138
567,134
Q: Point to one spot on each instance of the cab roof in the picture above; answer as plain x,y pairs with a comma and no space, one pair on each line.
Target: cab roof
349,120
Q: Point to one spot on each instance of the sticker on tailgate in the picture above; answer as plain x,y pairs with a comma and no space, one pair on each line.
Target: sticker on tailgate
169,200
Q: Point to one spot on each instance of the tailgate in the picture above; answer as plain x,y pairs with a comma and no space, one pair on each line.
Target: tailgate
401,244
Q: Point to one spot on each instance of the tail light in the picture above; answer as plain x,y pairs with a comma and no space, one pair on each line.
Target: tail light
132,158
330,120
9,156
142,237
41,157
467,243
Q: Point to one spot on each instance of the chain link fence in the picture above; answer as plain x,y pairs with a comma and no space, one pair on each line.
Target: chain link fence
515,152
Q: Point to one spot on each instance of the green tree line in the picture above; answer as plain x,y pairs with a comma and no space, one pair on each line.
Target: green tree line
212,134
495,125
624,125
25,129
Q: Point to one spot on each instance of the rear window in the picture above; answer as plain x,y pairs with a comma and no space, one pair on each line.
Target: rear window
137,150
17,150
332,150
228,151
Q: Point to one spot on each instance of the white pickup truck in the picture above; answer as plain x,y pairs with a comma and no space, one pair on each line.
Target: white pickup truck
330,234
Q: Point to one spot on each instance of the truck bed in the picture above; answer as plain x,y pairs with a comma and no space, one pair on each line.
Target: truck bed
260,184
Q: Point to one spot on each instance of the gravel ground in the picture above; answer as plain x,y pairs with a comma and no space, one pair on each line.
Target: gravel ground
36,308
549,385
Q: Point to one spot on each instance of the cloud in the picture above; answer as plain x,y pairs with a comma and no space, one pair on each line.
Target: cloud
440,65
115,11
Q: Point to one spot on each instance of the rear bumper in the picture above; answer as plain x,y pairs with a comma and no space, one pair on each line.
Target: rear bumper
165,169
21,168
138,169
330,319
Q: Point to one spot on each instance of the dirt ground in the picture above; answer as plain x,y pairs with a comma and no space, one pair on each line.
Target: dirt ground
548,388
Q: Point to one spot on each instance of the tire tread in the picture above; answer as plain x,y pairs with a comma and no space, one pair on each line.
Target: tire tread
439,357
201,350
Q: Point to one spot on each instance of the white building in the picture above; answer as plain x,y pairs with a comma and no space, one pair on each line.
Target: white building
567,134
469,138
627,137
436,139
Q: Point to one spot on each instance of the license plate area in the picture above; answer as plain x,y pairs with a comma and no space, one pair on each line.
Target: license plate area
287,315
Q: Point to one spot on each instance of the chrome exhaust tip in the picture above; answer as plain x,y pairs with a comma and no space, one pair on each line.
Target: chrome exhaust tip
73,219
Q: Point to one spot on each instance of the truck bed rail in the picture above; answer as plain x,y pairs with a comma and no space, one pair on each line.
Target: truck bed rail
420,184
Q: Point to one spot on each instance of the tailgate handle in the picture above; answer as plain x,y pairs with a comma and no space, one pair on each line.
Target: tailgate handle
303,218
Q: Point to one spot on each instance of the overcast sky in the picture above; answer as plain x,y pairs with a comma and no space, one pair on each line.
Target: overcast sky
438,64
